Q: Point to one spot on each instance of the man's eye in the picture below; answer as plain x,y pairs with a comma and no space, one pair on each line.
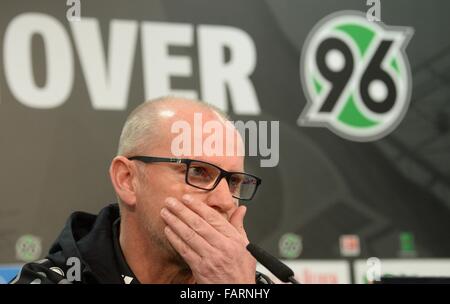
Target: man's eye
198,172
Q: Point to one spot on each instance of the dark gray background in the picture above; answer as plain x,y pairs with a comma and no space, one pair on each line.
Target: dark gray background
53,162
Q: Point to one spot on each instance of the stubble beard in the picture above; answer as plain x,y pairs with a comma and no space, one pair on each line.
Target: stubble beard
158,240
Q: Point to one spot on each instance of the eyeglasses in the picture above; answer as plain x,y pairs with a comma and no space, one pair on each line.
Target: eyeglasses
206,176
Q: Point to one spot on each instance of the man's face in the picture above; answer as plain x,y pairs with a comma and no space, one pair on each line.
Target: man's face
163,180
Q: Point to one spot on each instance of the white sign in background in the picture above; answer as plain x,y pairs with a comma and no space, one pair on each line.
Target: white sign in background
315,271
404,267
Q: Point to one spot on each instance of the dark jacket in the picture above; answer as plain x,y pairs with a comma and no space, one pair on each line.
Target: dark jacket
87,251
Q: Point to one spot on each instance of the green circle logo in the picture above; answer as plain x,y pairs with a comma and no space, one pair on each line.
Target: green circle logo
290,246
28,248
356,76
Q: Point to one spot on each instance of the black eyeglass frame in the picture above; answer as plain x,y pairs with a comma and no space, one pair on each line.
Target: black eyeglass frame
188,161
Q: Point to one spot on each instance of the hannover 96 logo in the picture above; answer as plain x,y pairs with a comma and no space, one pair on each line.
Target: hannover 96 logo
356,76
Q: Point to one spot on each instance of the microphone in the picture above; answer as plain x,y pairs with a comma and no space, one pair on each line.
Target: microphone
275,266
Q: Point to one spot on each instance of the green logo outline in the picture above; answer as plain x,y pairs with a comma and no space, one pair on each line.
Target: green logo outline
350,118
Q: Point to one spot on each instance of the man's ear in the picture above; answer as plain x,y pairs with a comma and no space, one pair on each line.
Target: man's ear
123,177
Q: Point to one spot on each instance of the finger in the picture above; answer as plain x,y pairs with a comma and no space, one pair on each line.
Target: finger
195,222
188,235
211,216
237,219
189,255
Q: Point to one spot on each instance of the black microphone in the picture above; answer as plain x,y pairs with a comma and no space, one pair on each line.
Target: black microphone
275,266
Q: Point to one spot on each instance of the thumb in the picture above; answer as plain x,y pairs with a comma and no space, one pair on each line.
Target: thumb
237,219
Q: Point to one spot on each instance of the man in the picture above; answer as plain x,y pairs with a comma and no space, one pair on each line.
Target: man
178,220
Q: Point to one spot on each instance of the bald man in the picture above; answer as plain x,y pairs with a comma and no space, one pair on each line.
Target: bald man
178,218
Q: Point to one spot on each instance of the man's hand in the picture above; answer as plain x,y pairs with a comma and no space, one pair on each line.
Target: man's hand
214,248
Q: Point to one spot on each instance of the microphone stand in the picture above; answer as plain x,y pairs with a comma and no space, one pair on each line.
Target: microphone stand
275,266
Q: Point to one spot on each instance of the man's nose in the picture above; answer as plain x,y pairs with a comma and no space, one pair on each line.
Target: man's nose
221,198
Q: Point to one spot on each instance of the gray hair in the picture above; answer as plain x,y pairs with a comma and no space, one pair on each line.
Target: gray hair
141,127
